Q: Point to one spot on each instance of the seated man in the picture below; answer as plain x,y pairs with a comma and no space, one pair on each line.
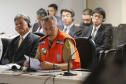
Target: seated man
53,10
86,16
102,35
56,49
24,44
37,27
69,27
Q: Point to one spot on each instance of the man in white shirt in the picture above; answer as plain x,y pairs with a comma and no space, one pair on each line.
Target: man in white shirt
101,34
37,27
69,27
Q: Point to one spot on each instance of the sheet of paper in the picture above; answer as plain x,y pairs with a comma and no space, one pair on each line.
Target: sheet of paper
34,63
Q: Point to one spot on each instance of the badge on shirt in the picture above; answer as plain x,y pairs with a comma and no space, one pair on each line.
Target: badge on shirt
58,57
59,42
68,44
43,42
43,52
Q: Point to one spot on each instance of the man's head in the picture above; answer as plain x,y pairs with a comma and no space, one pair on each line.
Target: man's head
98,16
52,9
50,27
40,14
67,16
22,24
86,15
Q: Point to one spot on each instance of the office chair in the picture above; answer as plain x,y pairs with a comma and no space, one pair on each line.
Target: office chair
110,25
5,42
39,34
87,53
35,27
119,38
102,52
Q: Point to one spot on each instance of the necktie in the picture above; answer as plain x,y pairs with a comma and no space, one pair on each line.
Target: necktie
20,41
65,30
93,34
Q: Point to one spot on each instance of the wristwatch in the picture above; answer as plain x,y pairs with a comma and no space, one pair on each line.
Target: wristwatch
54,66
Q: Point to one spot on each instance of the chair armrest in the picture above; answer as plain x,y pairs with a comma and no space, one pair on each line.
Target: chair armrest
101,51
110,50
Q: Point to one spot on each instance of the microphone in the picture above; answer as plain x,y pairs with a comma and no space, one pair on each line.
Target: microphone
44,38
31,69
2,33
68,73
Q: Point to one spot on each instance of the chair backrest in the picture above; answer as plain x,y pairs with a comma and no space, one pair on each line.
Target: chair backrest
119,35
87,52
5,42
110,25
35,27
39,34
121,51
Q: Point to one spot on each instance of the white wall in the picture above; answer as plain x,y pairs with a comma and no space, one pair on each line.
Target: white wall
10,8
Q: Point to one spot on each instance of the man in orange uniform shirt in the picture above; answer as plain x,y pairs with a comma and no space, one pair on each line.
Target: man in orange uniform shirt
55,50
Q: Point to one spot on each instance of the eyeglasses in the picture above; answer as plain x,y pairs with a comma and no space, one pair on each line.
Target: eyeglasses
97,16
63,16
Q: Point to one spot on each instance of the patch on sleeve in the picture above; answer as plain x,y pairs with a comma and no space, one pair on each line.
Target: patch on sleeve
43,42
43,52
59,42
68,44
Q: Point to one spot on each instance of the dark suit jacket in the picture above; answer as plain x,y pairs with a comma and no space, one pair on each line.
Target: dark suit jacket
83,25
15,54
35,27
74,31
103,38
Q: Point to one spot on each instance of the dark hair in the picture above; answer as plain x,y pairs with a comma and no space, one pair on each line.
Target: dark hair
26,18
99,10
41,12
54,6
87,12
70,11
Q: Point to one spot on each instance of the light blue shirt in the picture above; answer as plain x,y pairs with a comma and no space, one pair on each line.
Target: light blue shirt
59,20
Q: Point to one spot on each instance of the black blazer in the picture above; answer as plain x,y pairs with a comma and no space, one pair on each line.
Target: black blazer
74,31
103,38
35,27
15,54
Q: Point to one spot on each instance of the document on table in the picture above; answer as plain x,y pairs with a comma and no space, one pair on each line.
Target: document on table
34,63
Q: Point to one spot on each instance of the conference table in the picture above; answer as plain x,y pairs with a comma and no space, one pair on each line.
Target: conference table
17,77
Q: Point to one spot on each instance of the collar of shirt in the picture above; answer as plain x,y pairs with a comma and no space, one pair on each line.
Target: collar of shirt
25,35
40,29
68,28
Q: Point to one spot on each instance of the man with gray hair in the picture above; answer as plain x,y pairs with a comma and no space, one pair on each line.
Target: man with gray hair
55,50
37,27
24,44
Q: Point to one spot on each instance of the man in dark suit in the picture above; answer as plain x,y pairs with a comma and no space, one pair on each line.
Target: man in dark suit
102,35
37,27
86,16
69,27
24,44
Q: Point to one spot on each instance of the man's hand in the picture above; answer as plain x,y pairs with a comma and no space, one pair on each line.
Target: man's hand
26,63
46,65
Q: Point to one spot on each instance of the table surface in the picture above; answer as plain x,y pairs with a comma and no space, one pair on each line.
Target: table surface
39,78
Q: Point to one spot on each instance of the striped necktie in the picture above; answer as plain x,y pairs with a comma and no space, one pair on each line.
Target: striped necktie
65,30
93,34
